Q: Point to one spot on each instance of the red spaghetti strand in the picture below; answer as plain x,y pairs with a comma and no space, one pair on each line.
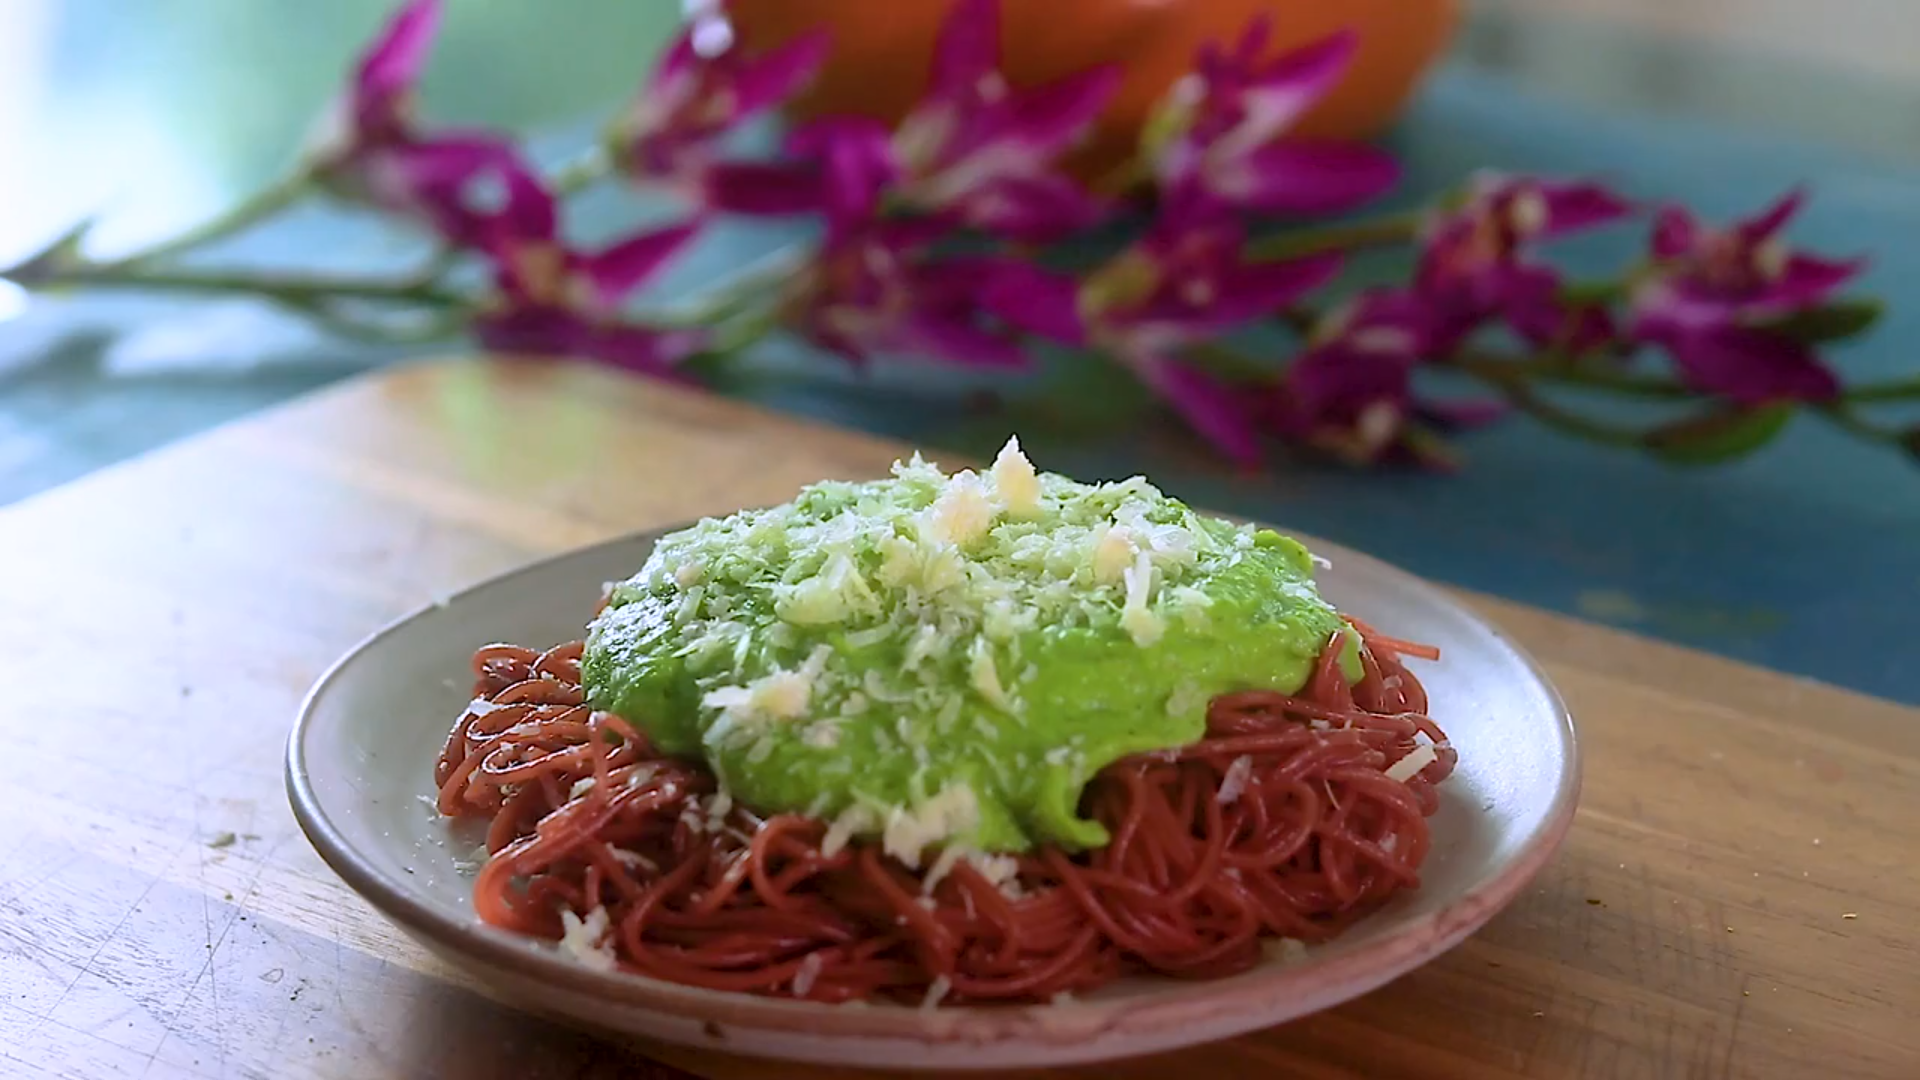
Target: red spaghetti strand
1281,822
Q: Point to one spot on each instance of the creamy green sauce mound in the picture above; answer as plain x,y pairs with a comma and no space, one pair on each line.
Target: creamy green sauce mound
941,660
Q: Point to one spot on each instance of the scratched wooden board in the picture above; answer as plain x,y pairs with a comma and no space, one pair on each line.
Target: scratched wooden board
1738,897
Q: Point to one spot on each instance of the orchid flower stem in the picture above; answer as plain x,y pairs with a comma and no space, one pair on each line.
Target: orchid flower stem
1892,390
1510,378
1348,236
1556,370
759,282
294,290
581,173
439,328
1840,416
262,205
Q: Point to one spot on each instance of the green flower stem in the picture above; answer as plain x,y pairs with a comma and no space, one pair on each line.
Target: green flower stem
759,284
261,205
1513,381
293,289
1892,390
589,168
326,313
1844,418
1555,370
1349,236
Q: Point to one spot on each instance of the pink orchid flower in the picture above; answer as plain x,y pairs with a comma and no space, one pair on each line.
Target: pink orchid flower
704,89
1218,133
1351,395
1474,267
374,152
874,287
554,300
1184,283
1712,294
975,148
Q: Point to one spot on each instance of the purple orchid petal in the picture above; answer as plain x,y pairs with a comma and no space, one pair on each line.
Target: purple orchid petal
1665,309
958,341
857,163
772,77
393,63
530,212
763,190
1213,60
1037,301
1808,280
1304,178
1577,207
1283,91
677,70
1257,290
841,344
1220,414
1751,367
1332,385
1381,321
548,332
1052,117
533,331
645,350
1764,225
967,49
430,175
1676,232
625,266
1462,415
1033,209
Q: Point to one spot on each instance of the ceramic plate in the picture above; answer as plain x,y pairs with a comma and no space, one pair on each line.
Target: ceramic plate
359,773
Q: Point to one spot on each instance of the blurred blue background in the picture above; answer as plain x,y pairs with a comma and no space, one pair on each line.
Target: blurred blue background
157,114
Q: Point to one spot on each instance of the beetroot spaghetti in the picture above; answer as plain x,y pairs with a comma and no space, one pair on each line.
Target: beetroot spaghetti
1293,816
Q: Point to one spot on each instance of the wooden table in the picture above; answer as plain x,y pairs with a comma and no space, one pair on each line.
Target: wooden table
1739,896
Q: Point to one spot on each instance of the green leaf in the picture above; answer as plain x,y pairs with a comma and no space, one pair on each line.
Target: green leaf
1831,322
1721,434
1910,441
63,252
1584,294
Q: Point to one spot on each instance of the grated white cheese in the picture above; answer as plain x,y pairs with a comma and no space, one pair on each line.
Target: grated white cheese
1284,950
1142,624
1015,483
952,814
961,515
949,857
1234,783
633,860
781,695
985,676
580,787
1408,767
806,973
937,992
585,940
852,820
1002,870
1113,552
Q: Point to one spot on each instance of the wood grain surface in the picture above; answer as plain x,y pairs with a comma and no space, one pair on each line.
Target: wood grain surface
1739,896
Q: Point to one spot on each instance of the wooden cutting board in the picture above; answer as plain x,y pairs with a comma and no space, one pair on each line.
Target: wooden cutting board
1739,896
